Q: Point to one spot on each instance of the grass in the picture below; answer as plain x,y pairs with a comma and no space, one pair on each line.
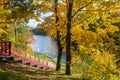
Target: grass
8,75
12,71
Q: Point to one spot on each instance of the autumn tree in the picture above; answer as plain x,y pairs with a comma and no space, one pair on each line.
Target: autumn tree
68,36
84,15
4,23
22,11
52,25
94,40
59,46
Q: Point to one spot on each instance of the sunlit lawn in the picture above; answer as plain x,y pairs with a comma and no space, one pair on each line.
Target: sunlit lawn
10,71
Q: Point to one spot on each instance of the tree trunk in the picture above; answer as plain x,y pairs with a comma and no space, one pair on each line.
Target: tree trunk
15,28
60,48
68,37
58,66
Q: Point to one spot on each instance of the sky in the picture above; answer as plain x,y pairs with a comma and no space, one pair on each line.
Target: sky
33,23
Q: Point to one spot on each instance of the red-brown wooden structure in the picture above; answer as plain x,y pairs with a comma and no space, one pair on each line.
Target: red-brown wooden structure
5,47
5,54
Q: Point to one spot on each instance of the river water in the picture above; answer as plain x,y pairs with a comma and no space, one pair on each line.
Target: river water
45,45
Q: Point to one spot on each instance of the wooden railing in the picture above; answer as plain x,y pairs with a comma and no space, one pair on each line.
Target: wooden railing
29,56
7,50
5,47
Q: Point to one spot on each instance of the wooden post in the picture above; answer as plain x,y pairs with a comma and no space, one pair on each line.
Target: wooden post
9,48
38,59
5,46
43,61
35,57
30,56
46,62
0,47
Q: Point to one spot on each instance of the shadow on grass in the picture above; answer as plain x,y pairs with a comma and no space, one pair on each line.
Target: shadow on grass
7,75
15,70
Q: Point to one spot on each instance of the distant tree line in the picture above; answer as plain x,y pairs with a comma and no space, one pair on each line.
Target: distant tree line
39,31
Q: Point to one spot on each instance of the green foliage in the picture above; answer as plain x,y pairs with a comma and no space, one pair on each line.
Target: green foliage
97,52
101,67
95,32
46,57
39,31
22,29
7,75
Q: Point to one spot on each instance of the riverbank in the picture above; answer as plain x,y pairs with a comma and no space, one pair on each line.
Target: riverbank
46,45
51,60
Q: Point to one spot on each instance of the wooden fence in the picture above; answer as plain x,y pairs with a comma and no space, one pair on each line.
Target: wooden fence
5,47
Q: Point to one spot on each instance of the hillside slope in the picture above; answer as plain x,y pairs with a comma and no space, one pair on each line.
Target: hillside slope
13,71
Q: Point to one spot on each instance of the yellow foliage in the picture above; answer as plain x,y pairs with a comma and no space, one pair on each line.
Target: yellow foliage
105,61
75,58
3,12
29,49
2,31
52,31
112,29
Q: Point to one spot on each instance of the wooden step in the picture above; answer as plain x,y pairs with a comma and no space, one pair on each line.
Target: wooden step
1,58
7,59
11,58
26,63
46,67
18,61
34,65
41,67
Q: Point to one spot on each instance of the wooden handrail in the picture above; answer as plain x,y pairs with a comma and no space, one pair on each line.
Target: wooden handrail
5,47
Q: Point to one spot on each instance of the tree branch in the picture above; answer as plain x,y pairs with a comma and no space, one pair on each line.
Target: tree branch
82,21
80,9
62,20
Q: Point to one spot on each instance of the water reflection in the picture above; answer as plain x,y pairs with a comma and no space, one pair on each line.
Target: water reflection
45,45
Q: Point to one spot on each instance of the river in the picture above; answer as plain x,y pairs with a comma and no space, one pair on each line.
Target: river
45,45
